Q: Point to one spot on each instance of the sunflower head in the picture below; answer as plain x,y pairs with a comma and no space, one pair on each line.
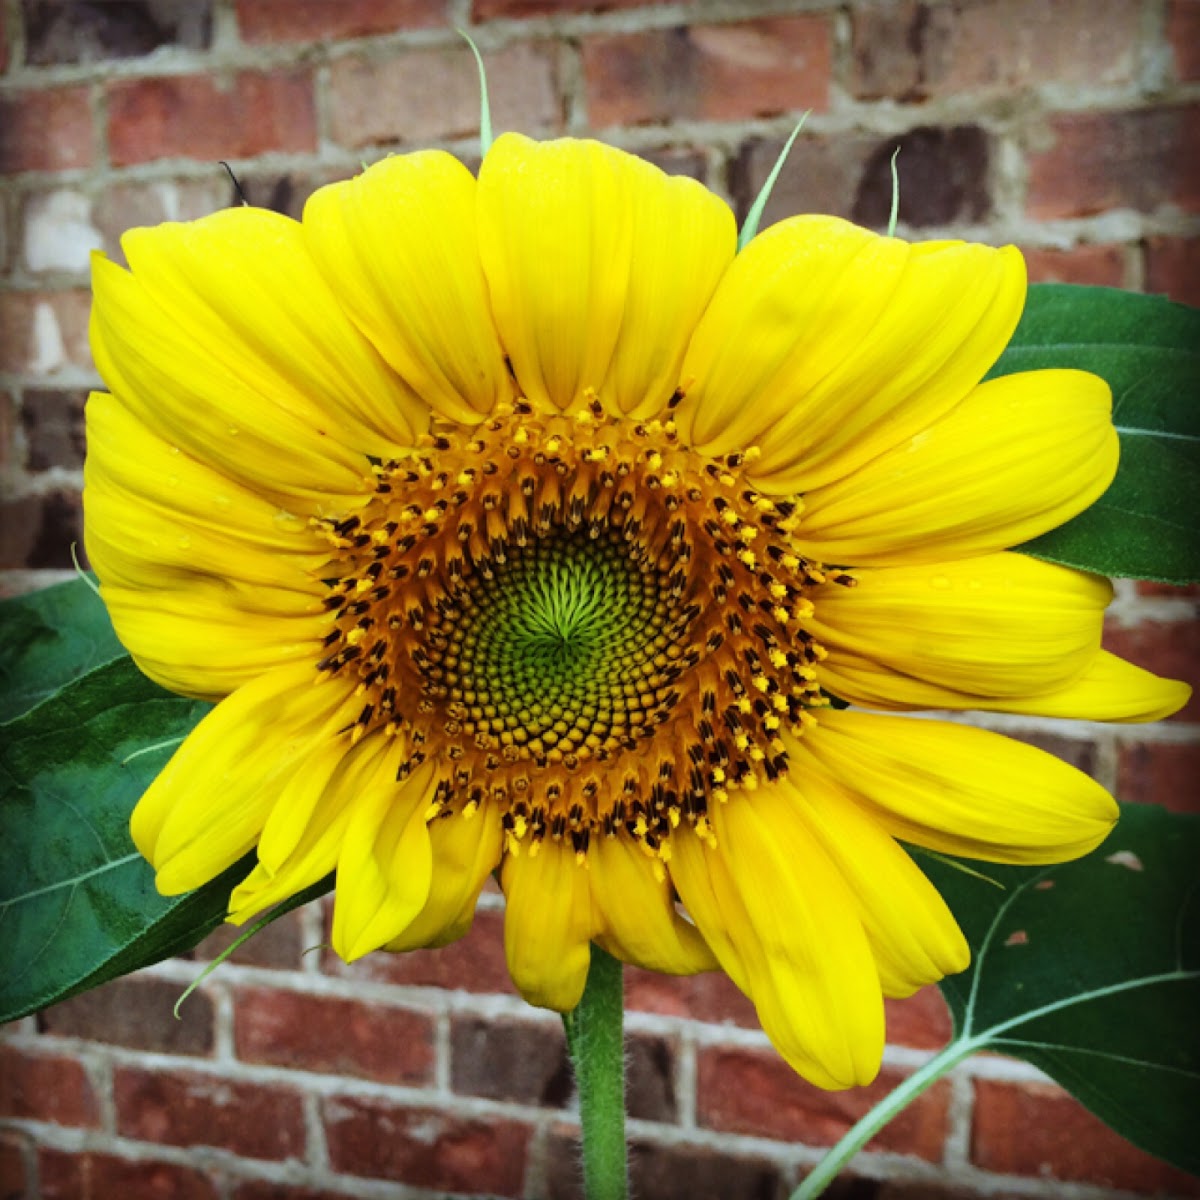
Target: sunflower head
519,526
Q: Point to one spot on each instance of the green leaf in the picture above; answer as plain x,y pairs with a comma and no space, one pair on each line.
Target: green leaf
78,904
48,639
1148,349
1091,971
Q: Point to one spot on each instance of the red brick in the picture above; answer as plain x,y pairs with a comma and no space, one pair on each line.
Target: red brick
1098,265
486,10
46,130
42,332
206,118
708,72
757,1093
418,95
709,997
921,1020
339,1037
425,1147
1173,268
1038,1130
95,1176
474,963
122,206
185,1109
1166,773
1168,648
658,1172
1180,591
915,51
13,1177
326,20
262,1190
278,945
37,531
1183,32
45,1087
138,1013
1098,161
504,1059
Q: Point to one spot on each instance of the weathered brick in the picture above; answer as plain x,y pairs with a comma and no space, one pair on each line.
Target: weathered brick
278,945
43,332
82,31
821,175
327,20
1173,268
474,963
1183,32
1038,1130
11,455
53,426
138,1013
658,1172
708,72
1096,161
14,1180
709,997
943,173
287,191
38,531
1170,648
1163,773
650,1078
127,205
487,10
1101,265
332,1035
92,1175
259,1189
1079,752
921,1020
207,118
506,1059
45,1087
57,233
425,1147
914,51
756,1092
46,130
185,1109
418,95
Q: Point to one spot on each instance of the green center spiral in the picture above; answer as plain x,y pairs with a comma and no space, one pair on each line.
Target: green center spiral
566,638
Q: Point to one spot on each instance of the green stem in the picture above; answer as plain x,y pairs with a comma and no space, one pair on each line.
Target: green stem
595,1039
856,1138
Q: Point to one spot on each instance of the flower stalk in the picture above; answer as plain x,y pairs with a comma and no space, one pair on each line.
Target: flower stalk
596,1041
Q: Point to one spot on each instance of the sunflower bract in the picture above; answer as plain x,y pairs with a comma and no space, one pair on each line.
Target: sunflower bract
518,526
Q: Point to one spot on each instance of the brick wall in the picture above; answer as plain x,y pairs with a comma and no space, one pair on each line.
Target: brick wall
1067,126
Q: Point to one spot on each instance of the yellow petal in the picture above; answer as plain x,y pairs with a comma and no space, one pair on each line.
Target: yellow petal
465,852
398,246
957,789
210,802
385,866
913,935
1019,456
225,341
547,925
997,625
684,238
826,345
783,924
303,834
1110,689
599,266
635,912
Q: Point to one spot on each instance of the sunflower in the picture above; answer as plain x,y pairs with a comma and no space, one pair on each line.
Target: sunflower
519,524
